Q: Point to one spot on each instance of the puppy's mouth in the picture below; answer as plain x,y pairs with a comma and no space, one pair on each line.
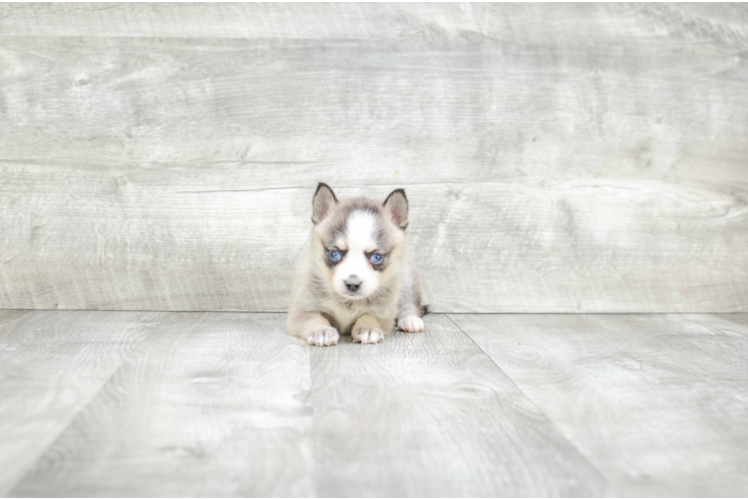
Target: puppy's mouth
353,295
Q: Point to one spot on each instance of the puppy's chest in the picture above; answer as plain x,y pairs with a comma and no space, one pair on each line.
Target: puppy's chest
344,316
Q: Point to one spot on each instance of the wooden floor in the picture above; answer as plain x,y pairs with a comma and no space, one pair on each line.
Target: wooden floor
216,404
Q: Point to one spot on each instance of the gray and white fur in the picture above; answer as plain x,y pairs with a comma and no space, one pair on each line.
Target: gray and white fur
356,275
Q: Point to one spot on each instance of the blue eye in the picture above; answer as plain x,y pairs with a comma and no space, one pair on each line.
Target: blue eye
376,258
333,255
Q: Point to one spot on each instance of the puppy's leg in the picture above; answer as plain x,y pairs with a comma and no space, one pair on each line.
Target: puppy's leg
314,328
410,309
368,330
410,321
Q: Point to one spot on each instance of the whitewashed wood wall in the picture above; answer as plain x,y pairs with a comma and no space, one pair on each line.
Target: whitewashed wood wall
558,158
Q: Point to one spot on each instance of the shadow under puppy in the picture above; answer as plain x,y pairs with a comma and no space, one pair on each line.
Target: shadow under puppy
356,276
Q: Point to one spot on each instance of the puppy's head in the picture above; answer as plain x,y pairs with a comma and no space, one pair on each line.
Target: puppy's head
359,243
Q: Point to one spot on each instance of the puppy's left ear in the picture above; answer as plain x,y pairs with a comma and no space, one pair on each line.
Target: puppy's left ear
396,206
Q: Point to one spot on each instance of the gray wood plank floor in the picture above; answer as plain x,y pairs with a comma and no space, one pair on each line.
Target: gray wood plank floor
444,419
659,402
220,404
51,365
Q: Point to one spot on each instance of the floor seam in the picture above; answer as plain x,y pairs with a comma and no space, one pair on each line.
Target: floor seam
611,483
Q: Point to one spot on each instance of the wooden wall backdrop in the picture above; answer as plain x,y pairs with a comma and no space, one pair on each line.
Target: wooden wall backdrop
558,158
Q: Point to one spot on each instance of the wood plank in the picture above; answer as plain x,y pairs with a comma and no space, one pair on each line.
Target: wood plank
398,21
481,247
431,415
657,402
251,114
212,405
51,365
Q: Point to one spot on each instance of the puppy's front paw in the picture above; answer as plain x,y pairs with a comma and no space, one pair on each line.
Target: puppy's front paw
410,324
323,336
367,335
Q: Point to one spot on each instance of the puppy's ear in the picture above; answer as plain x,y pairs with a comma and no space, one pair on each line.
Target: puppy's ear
323,202
396,206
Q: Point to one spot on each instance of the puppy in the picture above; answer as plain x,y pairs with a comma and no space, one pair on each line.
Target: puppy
356,276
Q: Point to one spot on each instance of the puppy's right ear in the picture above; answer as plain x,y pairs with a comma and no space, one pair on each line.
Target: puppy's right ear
323,203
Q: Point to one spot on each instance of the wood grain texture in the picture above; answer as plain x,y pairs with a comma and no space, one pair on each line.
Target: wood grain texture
212,405
396,21
8,318
657,403
566,158
51,365
480,247
734,319
431,415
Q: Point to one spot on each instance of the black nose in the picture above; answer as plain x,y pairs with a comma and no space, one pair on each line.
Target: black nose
353,283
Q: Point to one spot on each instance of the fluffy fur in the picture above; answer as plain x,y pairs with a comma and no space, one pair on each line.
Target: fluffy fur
356,294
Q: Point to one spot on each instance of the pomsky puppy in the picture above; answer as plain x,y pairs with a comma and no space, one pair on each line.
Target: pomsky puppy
356,276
